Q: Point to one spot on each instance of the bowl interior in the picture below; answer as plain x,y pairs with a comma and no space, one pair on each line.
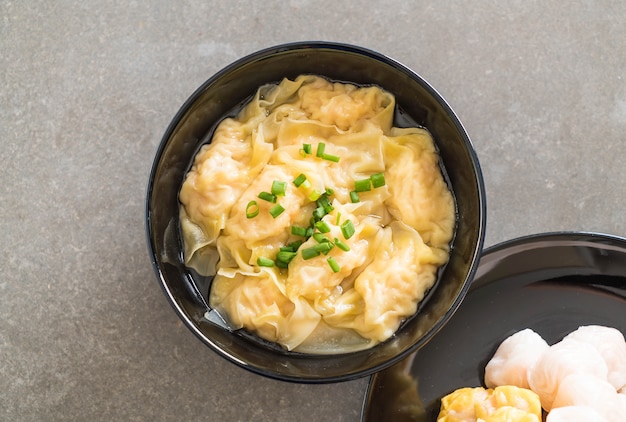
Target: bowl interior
226,91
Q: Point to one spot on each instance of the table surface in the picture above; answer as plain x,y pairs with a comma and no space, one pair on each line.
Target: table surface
87,90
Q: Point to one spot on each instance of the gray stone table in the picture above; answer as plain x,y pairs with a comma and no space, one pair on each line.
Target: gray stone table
86,91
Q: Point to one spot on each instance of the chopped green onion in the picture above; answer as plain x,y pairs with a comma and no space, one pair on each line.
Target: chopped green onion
282,264
319,237
264,262
298,231
299,180
338,219
323,227
279,188
347,228
341,245
333,264
325,203
308,253
285,256
314,196
306,148
252,209
276,210
309,231
291,247
378,180
330,157
318,213
295,245
321,147
266,196
354,197
323,247
362,185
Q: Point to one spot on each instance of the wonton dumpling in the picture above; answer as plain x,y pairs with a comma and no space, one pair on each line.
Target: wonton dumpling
411,153
388,284
263,228
258,303
345,105
221,172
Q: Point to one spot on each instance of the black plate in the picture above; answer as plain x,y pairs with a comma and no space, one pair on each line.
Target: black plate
552,283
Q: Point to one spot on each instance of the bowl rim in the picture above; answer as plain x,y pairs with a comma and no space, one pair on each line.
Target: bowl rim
289,48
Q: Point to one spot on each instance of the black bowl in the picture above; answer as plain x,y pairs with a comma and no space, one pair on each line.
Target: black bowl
228,90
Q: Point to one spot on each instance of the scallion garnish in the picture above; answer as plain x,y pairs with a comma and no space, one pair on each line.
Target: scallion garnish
321,147
307,148
264,262
276,210
344,247
295,245
323,227
285,256
318,213
378,180
325,203
308,253
354,197
319,237
252,209
323,247
299,180
298,231
314,196
266,196
330,157
279,188
333,264
347,228
362,185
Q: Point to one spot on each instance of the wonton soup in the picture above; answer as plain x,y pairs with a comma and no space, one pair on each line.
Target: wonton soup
323,224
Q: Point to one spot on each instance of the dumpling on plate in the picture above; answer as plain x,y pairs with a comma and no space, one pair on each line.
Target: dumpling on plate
575,414
588,390
610,343
501,404
560,360
515,355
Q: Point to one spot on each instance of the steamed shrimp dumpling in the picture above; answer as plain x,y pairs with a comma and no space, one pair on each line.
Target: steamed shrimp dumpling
575,414
515,355
560,360
588,390
610,343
